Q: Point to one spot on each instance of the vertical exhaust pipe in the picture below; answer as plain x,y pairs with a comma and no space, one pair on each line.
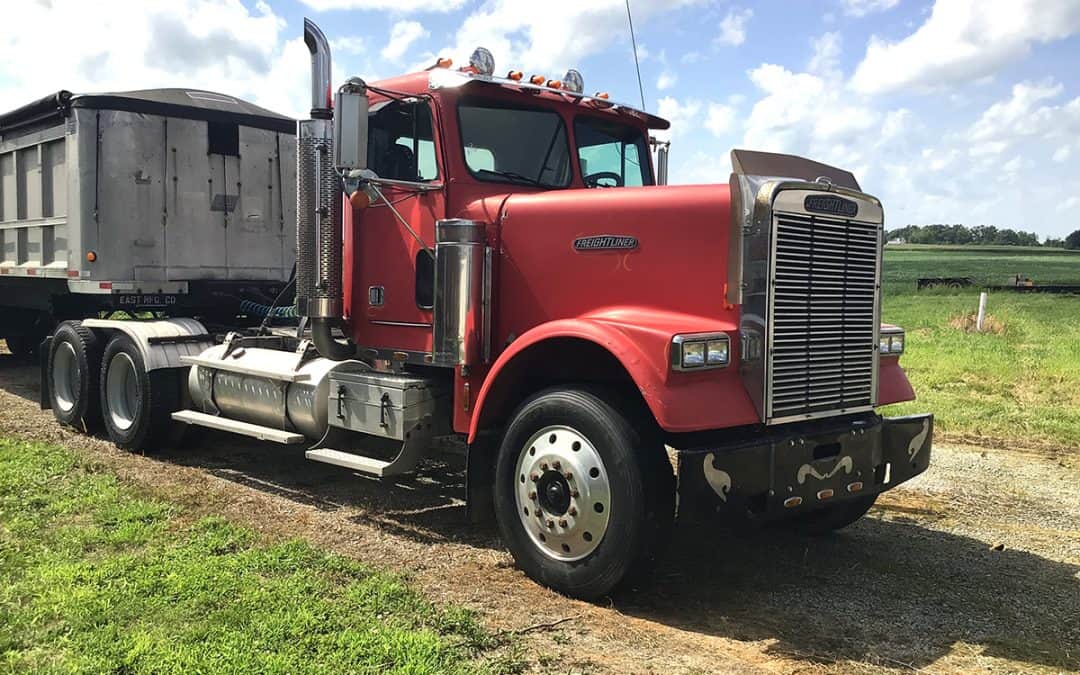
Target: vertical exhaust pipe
318,209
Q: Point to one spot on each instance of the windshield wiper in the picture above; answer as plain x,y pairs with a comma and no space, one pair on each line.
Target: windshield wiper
513,176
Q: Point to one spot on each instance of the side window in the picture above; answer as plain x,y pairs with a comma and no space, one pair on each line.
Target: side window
401,141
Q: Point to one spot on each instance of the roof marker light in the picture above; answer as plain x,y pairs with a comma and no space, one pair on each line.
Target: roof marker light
538,80
602,94
515,75
573,81
482,61
554,84
444,62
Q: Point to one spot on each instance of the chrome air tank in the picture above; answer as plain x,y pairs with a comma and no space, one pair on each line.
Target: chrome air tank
267,400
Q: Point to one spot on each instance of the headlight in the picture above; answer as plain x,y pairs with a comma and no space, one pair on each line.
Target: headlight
700,351
891,342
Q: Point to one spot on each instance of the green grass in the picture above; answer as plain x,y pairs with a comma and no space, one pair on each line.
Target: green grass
1018,386
94,578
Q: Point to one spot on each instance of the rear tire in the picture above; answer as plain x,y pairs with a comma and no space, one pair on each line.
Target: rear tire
74,371
137,404
599,518
832,518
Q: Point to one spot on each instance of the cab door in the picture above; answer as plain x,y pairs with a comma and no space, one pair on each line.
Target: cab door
392,287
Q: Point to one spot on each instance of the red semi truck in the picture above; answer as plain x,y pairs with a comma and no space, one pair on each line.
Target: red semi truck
493,258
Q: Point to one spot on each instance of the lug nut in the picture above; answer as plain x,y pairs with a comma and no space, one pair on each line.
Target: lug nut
568,476
575,494
534,477
563,524
557,465
550,523
532,495
572,511
543,466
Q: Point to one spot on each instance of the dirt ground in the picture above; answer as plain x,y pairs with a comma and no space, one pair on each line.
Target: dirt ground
974,566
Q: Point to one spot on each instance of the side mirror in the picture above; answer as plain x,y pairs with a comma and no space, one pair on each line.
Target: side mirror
351,125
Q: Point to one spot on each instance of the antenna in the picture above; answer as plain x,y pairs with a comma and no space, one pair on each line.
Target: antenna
637,66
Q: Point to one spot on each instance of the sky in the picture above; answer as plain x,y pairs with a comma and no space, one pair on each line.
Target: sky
949,111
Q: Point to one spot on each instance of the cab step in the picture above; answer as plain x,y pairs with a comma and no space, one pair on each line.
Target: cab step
237,427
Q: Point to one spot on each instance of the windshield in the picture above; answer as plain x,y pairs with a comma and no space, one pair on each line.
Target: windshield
611,154
515,145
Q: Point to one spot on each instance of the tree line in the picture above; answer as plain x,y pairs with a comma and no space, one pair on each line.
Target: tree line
981,234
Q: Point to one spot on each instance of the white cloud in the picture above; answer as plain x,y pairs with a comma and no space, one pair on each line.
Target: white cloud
222,46
402,35
397,6
733,27
1025,114
720,119
864,7
1070,204
682,115
666,81
962,41
349,44
826,57
532,41
1062,154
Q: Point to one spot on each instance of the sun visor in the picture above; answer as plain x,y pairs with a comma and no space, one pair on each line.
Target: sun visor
753,163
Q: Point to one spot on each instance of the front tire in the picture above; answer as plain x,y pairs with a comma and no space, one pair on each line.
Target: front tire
584,500
137,404
74,370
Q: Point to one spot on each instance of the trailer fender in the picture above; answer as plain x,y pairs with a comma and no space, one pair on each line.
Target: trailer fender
161,343
606,335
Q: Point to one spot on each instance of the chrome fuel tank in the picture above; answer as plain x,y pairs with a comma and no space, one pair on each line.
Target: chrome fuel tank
267,400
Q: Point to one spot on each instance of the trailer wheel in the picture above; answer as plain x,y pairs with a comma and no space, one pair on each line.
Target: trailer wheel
74,369
831,518
137,404
584,500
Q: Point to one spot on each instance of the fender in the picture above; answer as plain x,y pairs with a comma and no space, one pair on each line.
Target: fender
640,339
161,343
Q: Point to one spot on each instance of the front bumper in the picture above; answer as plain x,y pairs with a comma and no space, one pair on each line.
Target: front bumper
795,468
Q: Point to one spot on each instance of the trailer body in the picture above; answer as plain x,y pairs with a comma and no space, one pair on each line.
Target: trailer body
142,200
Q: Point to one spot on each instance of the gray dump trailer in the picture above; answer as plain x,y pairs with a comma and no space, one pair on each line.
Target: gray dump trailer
142,201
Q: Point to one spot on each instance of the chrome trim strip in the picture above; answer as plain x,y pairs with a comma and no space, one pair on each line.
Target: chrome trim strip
405,324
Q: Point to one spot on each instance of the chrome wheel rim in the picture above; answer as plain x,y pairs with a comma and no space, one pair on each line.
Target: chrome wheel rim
122,391
65,377
563,494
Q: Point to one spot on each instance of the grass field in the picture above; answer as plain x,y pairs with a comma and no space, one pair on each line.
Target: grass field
94,578
1017,386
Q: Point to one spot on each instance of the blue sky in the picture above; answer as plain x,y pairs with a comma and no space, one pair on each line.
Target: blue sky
949,110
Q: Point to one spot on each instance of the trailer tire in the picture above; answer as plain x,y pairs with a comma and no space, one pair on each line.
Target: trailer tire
584,500
832,518
137,404
74,369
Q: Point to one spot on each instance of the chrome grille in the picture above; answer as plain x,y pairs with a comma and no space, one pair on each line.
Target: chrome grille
823,316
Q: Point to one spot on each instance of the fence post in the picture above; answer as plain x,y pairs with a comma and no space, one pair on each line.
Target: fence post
982,312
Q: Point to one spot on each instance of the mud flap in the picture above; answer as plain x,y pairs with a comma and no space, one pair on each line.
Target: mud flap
44,392
794,468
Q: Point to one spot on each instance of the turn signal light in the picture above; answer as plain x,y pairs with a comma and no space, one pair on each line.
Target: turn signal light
91,256
515,75
360,200
444,63
538,80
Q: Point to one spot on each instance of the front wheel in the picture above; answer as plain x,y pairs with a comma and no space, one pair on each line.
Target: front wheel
583,499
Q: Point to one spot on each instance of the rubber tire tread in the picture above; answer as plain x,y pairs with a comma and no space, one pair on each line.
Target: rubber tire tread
640,476
159,397
85,415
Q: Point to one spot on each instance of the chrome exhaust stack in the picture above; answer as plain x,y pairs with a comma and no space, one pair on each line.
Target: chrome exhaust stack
319,295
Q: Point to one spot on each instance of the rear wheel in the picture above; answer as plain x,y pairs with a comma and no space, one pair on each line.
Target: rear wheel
584,500
74,368
137,404
831,518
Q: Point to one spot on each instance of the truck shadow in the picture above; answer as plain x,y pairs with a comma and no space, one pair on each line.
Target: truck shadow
888,590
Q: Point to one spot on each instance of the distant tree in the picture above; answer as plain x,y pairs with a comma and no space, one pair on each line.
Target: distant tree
1072,242
1053,242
